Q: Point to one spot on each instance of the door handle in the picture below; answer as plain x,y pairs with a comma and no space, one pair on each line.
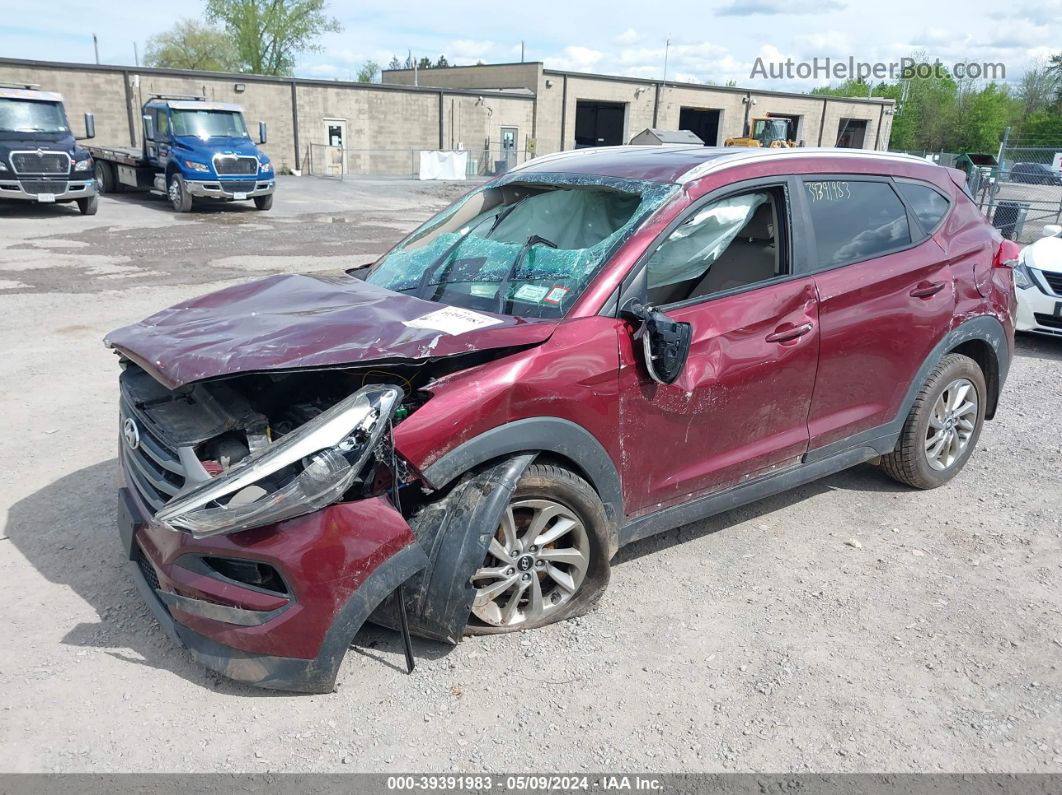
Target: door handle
927,289
784,335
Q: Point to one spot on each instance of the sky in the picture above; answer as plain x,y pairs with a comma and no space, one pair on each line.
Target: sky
709,41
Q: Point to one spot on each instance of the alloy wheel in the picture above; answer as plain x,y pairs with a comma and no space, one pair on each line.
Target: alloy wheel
951,424
535,565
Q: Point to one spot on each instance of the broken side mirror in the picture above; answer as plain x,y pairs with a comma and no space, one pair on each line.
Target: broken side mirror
262,138
90,126
665,342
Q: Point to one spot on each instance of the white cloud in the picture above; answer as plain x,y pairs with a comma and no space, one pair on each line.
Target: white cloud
748,8
468,50
629,36
575,59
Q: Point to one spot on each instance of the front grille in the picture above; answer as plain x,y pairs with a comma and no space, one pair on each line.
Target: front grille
1049,321
238,185
153,467
40,162
147,569
1054,280
231,164
43,186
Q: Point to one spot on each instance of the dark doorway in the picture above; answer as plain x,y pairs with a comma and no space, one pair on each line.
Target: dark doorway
852,133
599,123
702,123
794,124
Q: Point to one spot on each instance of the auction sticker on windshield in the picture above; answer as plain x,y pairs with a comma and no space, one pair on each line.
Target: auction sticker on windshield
453,320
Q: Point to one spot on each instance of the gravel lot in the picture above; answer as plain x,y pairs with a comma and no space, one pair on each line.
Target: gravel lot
850,625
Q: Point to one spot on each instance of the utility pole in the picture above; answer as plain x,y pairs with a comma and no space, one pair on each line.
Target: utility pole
96,46
521,51
136,56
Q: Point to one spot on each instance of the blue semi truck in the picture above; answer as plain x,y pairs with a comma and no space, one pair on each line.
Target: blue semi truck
40,160
193,150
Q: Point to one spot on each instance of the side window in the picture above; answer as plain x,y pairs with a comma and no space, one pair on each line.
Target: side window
162,125
855,220
729,243
929,206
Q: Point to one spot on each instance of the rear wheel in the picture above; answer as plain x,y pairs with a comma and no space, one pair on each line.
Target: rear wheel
178,194
943,427
548,560
88,206
263,202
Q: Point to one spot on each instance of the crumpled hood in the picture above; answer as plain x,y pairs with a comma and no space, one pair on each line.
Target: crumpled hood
1045,255
307,321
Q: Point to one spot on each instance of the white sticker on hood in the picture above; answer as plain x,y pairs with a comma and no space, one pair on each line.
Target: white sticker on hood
453,320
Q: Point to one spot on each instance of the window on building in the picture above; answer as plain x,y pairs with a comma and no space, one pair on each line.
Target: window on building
851,133
855,221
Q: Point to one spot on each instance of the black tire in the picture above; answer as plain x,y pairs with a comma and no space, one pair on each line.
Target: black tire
264,202
88,206
908,462
179,197
545,481
104,173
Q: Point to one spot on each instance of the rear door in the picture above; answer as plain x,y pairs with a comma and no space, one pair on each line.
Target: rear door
886,297
739,409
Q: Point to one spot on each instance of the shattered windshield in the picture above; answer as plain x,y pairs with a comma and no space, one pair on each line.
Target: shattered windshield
209,123
522,246
18,115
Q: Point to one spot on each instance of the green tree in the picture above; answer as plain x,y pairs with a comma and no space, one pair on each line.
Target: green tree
192,45
1038,88
395,63
368,72
424,63
983,114
268,34
442,63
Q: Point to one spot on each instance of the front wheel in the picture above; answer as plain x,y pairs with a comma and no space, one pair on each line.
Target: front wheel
178,194
263,202
943,427
89,205
548,559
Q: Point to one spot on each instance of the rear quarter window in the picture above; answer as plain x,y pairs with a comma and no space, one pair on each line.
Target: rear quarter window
855,220
928,205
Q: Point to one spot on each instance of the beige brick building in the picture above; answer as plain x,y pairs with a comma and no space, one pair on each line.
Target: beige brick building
572,107
501,112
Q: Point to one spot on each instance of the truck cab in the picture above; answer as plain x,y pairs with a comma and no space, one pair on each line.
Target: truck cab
40,160
193,149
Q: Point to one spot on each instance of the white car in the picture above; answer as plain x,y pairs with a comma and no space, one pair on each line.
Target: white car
1038,278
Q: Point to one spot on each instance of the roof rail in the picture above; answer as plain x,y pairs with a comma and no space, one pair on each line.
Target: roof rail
29,86
193,97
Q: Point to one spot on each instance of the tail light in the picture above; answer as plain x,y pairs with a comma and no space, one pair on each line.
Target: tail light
1007,256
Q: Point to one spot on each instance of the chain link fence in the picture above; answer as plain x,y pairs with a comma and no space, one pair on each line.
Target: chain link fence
1018,187
335,162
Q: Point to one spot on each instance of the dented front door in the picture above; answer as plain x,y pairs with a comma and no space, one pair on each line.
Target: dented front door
740,407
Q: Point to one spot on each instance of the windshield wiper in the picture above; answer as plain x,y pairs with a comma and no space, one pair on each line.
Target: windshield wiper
425,279
503,288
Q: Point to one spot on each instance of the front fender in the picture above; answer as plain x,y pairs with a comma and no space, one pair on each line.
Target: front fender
454,532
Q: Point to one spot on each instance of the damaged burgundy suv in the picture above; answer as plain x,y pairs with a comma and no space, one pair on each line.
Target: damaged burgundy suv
593,348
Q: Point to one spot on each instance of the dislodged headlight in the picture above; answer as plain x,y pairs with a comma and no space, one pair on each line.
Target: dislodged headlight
309,468
83,165
1022,277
